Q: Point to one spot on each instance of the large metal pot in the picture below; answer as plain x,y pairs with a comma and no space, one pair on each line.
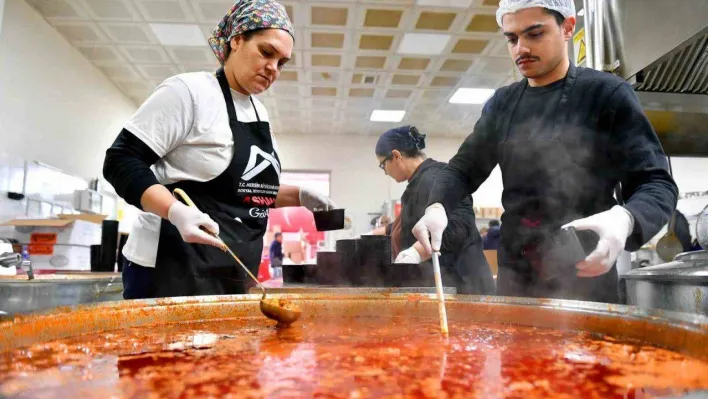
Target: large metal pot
681,285
683,332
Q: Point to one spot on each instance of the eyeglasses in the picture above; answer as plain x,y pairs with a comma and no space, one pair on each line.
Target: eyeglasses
382,165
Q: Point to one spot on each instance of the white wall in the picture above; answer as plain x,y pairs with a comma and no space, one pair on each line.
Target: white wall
55,106
2,9
357,182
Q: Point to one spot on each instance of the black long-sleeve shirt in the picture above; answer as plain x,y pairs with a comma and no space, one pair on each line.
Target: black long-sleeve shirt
461,228
127,167
606,123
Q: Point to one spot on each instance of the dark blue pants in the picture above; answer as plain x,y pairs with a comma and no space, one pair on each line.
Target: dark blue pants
138,281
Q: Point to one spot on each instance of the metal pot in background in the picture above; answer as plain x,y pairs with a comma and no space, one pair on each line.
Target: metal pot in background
680,285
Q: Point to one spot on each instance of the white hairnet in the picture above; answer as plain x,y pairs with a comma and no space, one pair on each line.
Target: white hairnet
565,7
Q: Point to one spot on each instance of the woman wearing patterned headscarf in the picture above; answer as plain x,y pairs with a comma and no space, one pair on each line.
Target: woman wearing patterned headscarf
400,155
205,133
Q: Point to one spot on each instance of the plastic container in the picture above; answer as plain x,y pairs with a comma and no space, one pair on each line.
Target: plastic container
332,219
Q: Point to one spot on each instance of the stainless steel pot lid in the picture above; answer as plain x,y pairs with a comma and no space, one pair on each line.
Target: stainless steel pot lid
687,267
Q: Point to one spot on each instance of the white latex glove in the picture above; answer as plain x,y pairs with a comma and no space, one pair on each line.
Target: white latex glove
188,221
429,229
613,227
315,201
409,255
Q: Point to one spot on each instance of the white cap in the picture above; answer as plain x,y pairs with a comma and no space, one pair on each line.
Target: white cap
565,7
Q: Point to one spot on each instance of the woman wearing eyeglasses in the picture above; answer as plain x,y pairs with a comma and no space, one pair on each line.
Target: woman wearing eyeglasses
462,263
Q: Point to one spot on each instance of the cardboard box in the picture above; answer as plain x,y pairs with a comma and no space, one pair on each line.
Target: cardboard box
56,231
59,257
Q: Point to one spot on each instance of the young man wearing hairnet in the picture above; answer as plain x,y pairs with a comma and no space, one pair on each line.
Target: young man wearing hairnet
564,137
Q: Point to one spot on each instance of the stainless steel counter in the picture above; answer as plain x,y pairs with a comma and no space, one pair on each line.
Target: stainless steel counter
19,295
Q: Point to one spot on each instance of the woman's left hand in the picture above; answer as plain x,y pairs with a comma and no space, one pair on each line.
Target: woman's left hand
409,255
315,201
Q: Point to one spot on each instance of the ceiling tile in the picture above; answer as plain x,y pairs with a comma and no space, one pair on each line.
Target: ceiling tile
324,91
178,34
356,78
414,63
134,88
435,20
81,32
96,53
326,77
444,81
483,23
376,18
435,94
329,16
361,92
398,93
120,72
411,80
491,2
287,90
117,10
456,65
55,8
375,42
370,62
211,11
289,11
145,54
191,55
326,60
198,68
445,3
165,10
498,66
327,40
469,46
423,43
132,33
157,72
288,76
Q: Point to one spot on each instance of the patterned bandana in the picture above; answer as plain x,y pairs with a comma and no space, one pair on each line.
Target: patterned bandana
244,16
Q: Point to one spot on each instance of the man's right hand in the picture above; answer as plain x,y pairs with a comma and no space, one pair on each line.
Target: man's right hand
189,221
429,229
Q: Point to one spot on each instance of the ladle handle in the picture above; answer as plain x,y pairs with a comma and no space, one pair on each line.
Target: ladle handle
180,194
441,296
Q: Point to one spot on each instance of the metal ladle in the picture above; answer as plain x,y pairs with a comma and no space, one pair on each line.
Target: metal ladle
271,308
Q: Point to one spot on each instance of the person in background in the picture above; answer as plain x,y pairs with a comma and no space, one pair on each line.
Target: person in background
276,255
493,236
400,155
564,138
207,134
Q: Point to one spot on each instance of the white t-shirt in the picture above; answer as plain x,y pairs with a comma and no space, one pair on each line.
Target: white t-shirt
186,123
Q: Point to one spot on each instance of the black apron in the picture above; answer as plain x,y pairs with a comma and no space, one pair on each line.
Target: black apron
546,185
238,200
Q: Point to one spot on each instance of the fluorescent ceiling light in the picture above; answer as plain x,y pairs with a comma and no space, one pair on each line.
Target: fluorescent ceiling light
445,3
471,96
423,43
581,12
178,34
380,115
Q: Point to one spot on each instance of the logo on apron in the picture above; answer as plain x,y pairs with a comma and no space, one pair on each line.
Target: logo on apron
252,169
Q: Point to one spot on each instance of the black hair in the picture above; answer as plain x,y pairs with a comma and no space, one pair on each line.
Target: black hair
417,151
278,235
405,139
493,223
558,16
